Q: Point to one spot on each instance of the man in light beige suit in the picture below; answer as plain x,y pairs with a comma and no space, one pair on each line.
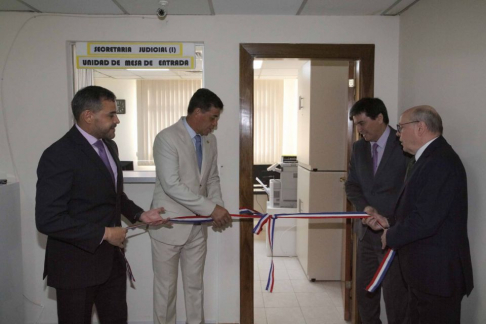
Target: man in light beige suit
187,183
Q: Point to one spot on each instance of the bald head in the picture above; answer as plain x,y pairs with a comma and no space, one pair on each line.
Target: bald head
429,116
419,125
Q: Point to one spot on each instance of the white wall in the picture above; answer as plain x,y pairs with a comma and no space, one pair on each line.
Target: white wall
35,98
443,64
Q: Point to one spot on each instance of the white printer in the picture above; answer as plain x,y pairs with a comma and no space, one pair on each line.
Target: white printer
283,191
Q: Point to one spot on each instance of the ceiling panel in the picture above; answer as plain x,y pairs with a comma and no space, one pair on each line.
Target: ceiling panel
13,5
346,8
399,7
86,7
256,7
203,7
174,7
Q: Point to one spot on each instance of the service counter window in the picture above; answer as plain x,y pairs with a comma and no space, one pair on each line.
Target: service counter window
153,92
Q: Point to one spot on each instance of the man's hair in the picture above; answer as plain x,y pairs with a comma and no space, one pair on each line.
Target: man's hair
372,107
429,116
90,98
204,99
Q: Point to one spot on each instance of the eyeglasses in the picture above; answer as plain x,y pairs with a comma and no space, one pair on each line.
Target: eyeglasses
400,126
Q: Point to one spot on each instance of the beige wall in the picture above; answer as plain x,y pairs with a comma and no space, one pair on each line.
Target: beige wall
35,87
443,64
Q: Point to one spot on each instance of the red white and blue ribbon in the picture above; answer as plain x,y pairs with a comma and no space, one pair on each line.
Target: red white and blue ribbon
382,269
271,219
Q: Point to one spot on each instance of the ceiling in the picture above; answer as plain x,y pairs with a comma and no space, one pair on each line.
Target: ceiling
271,69
212,7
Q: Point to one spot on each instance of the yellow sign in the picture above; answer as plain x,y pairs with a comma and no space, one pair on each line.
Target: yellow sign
123,55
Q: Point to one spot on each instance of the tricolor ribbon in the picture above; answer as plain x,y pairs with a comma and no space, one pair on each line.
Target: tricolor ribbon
271,219
382,269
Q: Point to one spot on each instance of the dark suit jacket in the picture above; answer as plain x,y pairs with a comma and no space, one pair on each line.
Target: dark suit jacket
430,233
382,189
75,200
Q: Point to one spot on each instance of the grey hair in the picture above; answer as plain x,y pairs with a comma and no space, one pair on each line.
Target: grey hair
429,116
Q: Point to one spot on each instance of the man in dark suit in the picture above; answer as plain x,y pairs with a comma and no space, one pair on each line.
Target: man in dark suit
79,203
376,174
429,231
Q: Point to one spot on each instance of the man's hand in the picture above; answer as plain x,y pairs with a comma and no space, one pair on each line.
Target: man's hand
115,236
152,217
220,216
376,221
383,239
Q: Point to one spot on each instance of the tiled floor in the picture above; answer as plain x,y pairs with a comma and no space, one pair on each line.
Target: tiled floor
295,299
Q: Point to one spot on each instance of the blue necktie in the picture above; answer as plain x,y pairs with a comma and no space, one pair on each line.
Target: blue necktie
199,151
104,157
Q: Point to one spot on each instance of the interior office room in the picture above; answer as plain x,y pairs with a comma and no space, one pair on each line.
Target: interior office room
432,53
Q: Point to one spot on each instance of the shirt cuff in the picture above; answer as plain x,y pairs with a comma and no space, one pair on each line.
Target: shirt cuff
137,216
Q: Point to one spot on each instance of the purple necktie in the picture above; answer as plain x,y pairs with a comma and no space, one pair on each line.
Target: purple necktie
104,157
375,157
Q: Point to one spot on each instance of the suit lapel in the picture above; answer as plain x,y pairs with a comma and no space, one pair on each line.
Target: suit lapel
119,172
189,144
90,152
431,148
390,145
368,166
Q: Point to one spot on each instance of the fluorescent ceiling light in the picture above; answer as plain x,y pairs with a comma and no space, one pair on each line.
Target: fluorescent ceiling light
148,70
257,64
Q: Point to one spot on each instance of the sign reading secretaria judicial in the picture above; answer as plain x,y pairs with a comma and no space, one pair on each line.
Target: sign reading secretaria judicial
122,55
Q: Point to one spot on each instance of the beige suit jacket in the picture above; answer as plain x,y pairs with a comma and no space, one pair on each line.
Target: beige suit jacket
179,186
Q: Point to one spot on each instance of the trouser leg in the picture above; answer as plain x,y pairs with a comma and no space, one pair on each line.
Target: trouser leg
193,257
111,296
367,264
395,294
431,309
165,260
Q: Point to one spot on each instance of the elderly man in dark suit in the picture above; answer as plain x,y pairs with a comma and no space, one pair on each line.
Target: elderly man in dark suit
429,231
376,174
79,203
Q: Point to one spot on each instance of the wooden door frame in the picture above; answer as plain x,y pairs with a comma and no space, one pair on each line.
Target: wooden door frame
364,54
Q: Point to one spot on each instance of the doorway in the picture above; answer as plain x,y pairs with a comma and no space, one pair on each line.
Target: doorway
362,70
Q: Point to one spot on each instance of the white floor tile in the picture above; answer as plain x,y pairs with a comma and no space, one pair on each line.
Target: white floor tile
280,300
296,274
295,300
260,316
291,315
320,315
257,287
314,300
256,275
280,273
278,286
258,300
278,262
293,263
307,286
